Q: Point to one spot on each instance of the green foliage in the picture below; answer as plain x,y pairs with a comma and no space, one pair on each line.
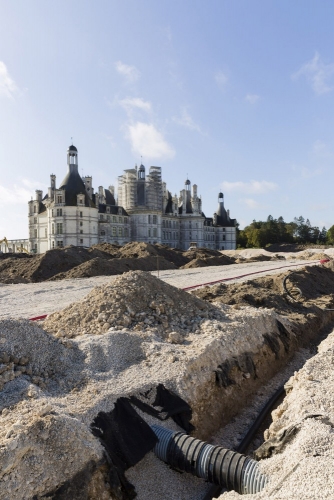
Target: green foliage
262,233
330,236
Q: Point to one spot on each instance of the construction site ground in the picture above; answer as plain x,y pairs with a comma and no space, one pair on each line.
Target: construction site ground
112,336
27,300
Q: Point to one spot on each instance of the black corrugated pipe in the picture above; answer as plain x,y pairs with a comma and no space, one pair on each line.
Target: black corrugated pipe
212,463
215,491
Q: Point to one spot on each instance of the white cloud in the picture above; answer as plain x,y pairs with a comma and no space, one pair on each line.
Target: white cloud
8,87
252,187
307,172
221,78
318,74
130,73
147,141
20,194
250,203
252,98
131,103
185,120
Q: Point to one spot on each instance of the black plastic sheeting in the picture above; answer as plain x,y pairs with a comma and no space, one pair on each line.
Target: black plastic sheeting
127,438
170,403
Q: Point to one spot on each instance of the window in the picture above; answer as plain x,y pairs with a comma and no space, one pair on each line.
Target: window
81,223
59,200
59,228
163,235
108,218
126,232
120,220
154,219
163,223
81,214
81,231
125,220
223,237
52,213
108,210
120,231
34,209
53,229
114,218
189,223
149,219
149,232
103,233
81,242
59,243
59,212
53,244
224,229
80,201
101,216
35,233
35,220
114,231
155,232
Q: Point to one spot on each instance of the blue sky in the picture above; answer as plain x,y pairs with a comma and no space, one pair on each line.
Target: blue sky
238,95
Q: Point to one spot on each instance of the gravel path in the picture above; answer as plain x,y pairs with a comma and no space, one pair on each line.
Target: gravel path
34,299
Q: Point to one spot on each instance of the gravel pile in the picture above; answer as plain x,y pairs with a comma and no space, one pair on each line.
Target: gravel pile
136,301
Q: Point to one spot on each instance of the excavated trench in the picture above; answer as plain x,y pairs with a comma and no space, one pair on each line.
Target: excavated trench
219,364
225,407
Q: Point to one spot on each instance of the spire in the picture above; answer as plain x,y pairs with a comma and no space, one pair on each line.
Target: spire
72,158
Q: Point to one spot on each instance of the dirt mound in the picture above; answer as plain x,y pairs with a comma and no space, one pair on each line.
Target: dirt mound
101,259
293,247
201,260
135,300
260,258
311,286
102,267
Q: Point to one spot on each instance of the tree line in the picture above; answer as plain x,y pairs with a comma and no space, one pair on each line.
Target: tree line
261,233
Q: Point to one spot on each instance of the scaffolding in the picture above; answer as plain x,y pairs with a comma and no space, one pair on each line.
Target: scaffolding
154,198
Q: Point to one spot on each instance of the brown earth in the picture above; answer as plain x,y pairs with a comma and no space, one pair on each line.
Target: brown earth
102,259
294,247
296,294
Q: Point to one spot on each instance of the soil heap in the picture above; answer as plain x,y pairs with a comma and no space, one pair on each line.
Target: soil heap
135,300
293,291
101,259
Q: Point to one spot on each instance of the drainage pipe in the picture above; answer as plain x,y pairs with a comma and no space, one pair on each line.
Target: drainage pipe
212,463
215,491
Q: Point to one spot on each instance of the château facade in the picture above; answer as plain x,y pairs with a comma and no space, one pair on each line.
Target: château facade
74,214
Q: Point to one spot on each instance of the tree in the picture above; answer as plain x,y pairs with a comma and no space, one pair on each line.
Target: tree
330,235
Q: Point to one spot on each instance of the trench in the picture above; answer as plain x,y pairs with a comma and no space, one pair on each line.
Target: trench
225,410
225,406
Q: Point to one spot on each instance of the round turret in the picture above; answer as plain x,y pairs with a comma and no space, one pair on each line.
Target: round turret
141,172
